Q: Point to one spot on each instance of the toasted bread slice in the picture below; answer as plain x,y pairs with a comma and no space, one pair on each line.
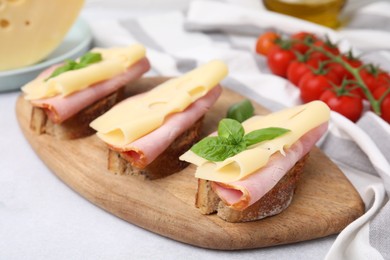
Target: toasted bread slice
165,164
76,126
272,203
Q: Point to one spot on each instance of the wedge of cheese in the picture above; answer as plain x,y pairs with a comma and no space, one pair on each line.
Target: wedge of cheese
31,30
299,120
115,61
136,117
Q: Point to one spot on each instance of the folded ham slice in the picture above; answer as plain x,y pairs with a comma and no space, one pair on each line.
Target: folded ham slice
144,150
60,108
243,193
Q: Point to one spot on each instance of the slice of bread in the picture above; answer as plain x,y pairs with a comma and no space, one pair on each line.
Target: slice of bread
166,163
272,203
76,126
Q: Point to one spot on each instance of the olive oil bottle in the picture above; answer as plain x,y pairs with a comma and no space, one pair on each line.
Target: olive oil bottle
325,12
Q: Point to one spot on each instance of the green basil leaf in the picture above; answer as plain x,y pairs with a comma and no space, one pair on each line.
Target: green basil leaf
90,58
232,140
211,148
264,134
217,149
231,129
69,65
85,60
241,111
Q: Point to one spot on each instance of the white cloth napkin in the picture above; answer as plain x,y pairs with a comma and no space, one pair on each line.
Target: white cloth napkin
177,42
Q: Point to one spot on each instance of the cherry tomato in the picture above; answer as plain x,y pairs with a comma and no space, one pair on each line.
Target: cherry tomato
355,90
349,106
299,67
303,36
352,60
341,70
382,79
314,62
296,70
369,78
328,46
278,60
338,69
385,105
266,42
312,85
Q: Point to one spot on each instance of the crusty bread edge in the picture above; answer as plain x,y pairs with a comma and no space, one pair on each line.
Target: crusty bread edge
76,126
272,203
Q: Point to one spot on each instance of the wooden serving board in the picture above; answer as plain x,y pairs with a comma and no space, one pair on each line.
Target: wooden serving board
324,203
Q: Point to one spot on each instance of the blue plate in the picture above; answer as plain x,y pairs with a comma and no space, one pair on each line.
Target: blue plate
76,43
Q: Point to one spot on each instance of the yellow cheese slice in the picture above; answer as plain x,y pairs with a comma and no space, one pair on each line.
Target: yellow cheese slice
114,62
138,116
299,120
31,30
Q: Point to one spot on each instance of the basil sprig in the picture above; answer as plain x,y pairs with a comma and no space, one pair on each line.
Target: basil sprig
241,111
232,140
85,60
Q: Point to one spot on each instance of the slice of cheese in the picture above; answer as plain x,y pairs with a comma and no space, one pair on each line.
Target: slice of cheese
31,30
114,62
136,117
299,120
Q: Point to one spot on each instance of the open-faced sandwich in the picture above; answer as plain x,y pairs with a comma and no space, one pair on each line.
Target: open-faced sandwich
250,171
148,132
67,97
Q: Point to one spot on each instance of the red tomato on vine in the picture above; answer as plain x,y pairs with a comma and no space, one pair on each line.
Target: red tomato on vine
349,106
278,60
300,38
313,84
296,70
266,42
341,70
300,67
369,78
328,46
385,105
383,79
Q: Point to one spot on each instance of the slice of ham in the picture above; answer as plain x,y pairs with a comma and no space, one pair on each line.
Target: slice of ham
147,148
243,193
60,108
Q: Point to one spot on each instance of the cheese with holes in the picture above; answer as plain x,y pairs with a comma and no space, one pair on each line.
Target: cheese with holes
115,61
31,30
299,119
136,117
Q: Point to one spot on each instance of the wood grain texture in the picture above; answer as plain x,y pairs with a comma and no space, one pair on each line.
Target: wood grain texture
324,203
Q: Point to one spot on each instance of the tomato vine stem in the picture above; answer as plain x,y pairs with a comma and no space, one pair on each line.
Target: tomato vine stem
375,103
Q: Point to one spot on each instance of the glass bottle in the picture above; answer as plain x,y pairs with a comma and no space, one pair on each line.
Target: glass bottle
325,12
